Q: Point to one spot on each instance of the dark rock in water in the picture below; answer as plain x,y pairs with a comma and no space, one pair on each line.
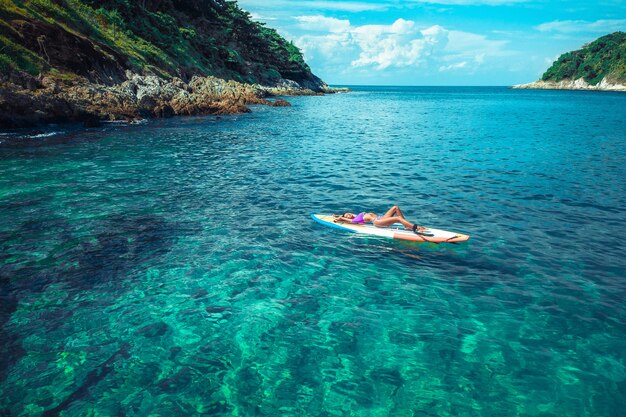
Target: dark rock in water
120,243
176,382
147,373
92,122
207,348
219,312
388,376
91,379
218,409
200,293
22,108
174,351
11,349
399,337
55,317
248,381
11,353
280,103
153,330
215,309
46,398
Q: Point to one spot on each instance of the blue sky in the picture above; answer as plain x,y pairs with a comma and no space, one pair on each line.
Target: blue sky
437,42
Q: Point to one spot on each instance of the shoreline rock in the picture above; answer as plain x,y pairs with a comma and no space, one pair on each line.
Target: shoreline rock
579,84
27,101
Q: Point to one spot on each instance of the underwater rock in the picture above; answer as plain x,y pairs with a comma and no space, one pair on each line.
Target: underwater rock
199,293
215,309
91,379
157,329
217,409
11,350
174,351
176,382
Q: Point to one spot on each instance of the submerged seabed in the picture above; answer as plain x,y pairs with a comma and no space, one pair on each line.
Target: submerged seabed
171,269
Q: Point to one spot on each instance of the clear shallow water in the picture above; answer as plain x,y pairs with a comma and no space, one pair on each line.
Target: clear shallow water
171,269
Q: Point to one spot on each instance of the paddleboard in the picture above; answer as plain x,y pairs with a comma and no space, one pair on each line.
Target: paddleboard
396,231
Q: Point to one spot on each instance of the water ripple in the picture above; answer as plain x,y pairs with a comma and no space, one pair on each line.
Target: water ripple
172,269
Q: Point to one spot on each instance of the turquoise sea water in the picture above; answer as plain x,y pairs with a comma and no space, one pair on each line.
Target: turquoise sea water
172,268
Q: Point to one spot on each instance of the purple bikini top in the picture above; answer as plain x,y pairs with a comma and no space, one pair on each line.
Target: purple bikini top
359,218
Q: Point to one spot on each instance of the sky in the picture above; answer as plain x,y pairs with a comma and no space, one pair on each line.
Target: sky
436,42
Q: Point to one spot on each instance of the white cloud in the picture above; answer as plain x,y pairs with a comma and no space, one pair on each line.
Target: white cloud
345,6
323,24
258,17
361,6
401,44
550,60
349,6
458,65
572,26
466,45
471,2
332,49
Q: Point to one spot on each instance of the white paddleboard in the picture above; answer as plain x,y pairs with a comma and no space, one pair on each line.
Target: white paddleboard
393,231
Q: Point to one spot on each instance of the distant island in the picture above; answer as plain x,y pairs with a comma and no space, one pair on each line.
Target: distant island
599,65
87,60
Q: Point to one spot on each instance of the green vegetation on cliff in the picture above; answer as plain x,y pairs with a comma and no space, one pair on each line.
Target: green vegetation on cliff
604,57
101,39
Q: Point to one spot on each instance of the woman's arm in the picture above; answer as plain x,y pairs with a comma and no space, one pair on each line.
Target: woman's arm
342,219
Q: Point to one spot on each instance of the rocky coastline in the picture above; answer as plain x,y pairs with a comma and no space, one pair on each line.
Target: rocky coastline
27,100
578,84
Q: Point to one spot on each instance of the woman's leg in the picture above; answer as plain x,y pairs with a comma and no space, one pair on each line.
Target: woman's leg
392,212
399,212
388,221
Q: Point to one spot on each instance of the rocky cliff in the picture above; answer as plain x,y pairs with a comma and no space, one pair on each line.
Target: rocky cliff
579,84
85,60
599,65
26,100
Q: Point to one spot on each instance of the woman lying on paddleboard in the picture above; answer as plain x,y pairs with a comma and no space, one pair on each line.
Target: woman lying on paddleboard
393,215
